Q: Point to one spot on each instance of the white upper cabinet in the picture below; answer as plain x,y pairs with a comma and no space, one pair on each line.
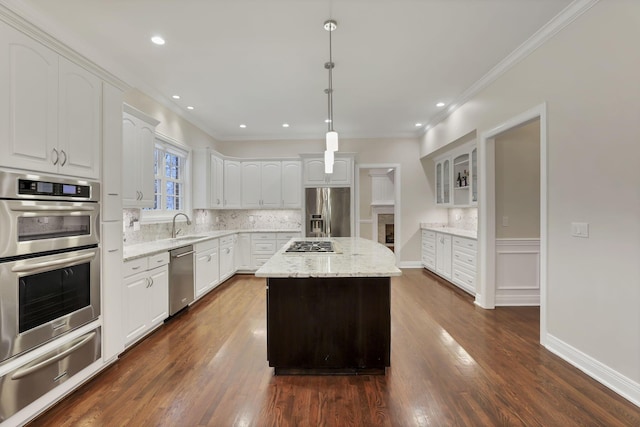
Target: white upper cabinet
232,184
111,153
138,143
79,121
457,177
208,176
261,184
314,175
50,110
291,184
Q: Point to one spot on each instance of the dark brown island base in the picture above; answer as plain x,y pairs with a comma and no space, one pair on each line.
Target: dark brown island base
330,313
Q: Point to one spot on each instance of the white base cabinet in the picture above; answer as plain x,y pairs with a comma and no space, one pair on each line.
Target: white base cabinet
452,257
263,246
207,267
227,257
145,295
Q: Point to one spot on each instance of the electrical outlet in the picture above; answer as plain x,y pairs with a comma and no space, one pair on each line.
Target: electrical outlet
580,229
251,219
136,225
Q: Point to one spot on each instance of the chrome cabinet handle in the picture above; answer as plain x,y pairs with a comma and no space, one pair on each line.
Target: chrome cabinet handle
54,151
64,162
151,280
209,258
228,250
113,250
146,279
217,201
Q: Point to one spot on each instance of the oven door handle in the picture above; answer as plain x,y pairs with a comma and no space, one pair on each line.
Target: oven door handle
51,208
28,371
46,265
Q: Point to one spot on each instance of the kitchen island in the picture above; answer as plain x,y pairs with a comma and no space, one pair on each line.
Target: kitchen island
330,313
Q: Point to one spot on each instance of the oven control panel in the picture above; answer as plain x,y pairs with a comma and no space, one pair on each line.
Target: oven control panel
56,189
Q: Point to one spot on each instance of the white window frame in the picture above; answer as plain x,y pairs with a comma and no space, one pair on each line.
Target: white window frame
168,144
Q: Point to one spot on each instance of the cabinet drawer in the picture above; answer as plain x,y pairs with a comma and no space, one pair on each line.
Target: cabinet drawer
264,247
227,240
134,266
287,236
464,258
206,245
263,236
429,245
158,260
429,261
428,234
468,244
259,261
464,279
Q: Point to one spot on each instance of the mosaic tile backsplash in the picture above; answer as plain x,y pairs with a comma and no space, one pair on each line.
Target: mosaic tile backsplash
210,220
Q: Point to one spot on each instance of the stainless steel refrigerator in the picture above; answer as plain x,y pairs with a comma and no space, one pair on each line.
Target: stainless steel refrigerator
328,212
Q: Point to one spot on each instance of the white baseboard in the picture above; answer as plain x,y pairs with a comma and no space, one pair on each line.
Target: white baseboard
614,380
411,264
518,300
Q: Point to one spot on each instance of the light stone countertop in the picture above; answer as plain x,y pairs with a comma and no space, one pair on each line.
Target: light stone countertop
470,234
354,257
140,250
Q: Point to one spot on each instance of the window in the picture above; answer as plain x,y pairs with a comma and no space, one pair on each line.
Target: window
170,187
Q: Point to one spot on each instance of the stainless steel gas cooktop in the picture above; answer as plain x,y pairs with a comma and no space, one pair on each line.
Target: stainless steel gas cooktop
311,246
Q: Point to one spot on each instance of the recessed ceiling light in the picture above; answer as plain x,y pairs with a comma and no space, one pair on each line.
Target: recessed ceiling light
440,104
176,96
418,125
243,126
285,125
189,107
327,121
157,40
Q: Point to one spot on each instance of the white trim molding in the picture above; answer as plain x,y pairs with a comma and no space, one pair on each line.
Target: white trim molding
597,370
517,272
553,27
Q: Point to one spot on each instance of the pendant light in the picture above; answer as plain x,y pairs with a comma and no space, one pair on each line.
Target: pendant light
331,136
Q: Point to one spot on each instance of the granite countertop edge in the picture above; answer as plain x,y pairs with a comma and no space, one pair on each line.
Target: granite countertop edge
470,234
140,250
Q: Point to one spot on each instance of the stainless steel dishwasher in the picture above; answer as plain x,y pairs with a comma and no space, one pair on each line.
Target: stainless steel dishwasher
180,278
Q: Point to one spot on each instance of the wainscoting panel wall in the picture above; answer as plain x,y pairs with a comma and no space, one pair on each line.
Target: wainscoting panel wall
517,272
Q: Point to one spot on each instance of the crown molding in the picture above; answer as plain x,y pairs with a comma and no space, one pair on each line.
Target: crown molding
18,17
553,27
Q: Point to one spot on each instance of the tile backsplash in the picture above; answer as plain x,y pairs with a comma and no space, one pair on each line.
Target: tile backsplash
465,219
210,220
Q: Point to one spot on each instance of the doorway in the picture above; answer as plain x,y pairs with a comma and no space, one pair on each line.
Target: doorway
487,219
377,207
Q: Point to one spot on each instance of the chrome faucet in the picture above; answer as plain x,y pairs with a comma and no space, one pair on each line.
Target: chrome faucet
174,233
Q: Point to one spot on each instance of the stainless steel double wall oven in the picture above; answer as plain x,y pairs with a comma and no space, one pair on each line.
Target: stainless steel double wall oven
49,258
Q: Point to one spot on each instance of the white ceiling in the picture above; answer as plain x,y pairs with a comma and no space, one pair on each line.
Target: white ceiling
261,62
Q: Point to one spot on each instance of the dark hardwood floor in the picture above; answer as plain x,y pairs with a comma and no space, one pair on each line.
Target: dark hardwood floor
452,364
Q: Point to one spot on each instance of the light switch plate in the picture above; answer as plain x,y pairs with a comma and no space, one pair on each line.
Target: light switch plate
580,229
136,225
505,221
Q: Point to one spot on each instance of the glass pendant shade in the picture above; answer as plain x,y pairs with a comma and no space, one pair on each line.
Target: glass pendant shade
332,141
328,161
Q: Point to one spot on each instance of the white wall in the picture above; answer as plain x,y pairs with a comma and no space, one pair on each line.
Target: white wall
588,76
517,154
417,197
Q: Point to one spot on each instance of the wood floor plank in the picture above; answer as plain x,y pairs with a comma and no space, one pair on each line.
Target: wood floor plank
452,364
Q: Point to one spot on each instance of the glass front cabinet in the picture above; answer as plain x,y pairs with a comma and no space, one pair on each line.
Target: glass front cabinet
457,177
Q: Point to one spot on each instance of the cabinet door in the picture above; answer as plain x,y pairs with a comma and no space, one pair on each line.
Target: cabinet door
217,186
130,168
146,164
226,262
111,153
207,271
243,253
474,176
271,184
443,255
314,172
28,103
80,94
291,184
446,181
251,194
158,295
135,304
439,183
232,184
341,172
111,272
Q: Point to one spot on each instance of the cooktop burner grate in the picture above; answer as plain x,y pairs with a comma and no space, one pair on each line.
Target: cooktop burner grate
310,246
